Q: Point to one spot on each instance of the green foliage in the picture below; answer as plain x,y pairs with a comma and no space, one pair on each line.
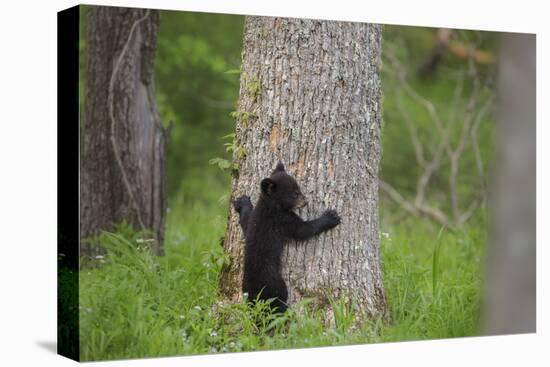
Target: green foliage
411,46
223,164
232,71
238,152
407,259
435,262
252,87
343,314
263,33
137,305
243,116
196,73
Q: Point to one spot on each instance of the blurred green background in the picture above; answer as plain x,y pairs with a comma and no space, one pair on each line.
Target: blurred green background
194,90
135,305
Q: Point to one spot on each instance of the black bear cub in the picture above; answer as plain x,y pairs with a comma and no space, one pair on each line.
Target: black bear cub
267,227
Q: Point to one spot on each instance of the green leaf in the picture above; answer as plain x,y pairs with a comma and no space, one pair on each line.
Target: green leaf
232,71
222,163
435,263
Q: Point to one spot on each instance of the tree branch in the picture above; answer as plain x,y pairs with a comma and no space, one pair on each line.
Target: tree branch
425,210
444,149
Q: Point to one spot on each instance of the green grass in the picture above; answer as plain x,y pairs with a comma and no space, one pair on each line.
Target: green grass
432,281
136,305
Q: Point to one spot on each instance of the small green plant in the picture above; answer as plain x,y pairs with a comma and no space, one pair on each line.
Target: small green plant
252,85
343,315
216,258
239,152
243,117
435,260
232,71
263,33
223,164
253,88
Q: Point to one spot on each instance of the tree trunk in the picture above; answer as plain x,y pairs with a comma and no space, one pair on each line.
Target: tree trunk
510,299
122,177
310,97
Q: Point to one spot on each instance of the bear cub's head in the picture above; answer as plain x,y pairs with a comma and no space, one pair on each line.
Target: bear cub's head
282,189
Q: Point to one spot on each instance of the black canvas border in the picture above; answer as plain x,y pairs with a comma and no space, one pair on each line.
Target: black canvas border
68,205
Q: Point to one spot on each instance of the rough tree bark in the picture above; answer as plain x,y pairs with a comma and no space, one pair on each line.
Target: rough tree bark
510,299
122,175
310,97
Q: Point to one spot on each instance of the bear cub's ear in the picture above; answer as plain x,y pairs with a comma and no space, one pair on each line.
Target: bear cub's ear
268,186
280,167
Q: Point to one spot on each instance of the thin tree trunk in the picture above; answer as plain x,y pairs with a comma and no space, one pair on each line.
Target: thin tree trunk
510,299
122,176
310,97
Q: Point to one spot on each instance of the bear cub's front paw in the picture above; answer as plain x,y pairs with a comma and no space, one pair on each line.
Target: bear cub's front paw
331,217
241,203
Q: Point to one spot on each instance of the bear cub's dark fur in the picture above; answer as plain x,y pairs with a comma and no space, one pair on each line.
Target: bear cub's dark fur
267,227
